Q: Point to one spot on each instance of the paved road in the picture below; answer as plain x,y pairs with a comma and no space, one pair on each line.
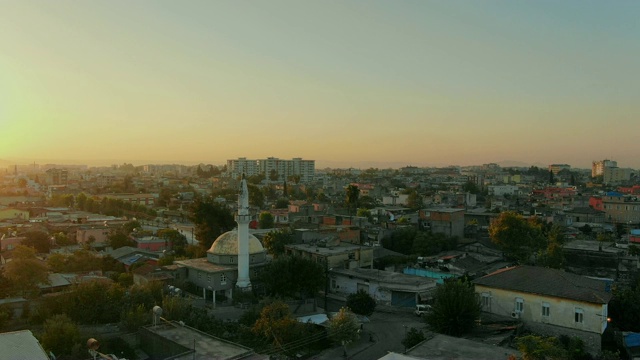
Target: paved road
388,330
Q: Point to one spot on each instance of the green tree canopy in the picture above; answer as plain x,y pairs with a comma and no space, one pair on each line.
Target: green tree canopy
177,240
266,220
276,324
26,271
361,303
38,240
518,237
344,327
282,203
211,220
352,195
274,241
412,338
60,335
455,310
292,276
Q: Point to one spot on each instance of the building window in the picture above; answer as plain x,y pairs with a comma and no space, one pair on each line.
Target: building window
208,277
223,279
199,275
546,309
579,316
231,259
486,300
519,305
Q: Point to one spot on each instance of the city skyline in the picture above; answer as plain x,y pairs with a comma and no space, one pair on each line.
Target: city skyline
354,84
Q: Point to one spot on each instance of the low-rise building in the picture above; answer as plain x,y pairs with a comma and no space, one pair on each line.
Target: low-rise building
548,301
387,288
334,254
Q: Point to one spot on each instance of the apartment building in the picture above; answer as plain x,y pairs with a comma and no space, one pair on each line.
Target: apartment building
597,167
283,168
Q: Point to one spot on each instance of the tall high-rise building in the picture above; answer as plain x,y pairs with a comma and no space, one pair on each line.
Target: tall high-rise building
305,169
597,167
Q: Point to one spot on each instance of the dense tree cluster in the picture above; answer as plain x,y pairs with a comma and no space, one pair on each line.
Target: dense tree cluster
210,172
292,277
276,240
211,220
456,308
361,303
409,240
107,205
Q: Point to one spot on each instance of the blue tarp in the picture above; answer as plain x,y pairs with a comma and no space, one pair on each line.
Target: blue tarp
632,340
635,232
613,193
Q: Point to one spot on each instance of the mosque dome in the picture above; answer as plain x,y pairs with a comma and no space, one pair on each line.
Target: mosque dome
227,244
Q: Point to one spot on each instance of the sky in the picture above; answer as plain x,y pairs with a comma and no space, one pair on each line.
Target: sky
346,83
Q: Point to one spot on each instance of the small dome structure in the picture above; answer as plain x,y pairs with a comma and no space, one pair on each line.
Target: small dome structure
227,244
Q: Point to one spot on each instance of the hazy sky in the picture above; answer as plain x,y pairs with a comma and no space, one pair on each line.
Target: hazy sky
349,82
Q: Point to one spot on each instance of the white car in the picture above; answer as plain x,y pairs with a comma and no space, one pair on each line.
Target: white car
422,309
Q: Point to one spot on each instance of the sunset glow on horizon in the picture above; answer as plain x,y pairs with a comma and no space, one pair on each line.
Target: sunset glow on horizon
351,83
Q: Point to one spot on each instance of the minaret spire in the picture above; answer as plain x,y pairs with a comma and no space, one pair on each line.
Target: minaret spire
243,218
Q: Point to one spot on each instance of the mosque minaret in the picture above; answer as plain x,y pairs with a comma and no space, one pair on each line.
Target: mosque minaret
243,218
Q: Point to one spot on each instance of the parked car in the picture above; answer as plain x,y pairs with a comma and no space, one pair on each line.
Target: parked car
422,309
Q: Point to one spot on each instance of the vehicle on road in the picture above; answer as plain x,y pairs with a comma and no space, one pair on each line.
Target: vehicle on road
422,309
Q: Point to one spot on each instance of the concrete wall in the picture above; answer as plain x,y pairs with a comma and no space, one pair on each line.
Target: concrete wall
346,286
562,311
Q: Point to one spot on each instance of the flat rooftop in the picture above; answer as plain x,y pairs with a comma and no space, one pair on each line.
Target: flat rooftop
328,250
451,348
206,346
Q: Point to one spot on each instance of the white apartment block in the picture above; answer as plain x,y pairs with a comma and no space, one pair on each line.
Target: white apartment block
501,190
612,175
306,169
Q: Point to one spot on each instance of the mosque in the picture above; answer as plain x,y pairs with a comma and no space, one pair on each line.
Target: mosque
234,258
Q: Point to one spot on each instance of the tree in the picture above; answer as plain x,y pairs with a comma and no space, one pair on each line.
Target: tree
634,250
134,318
266,220
292,276
60,335
625,308
353,193
344,328
62,239
256,197
455,310
277,324
414,200
518,237
118,239
38,240
273,175
177,240
366,202
471,187
26,271
412,338
282,203
366,213
275,240
361,303
211,220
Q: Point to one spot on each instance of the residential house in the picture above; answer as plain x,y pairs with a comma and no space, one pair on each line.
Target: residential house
388,288
449,222
14,214
334,254
548,301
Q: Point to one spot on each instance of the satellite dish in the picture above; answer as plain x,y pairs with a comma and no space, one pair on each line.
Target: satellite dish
93,344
